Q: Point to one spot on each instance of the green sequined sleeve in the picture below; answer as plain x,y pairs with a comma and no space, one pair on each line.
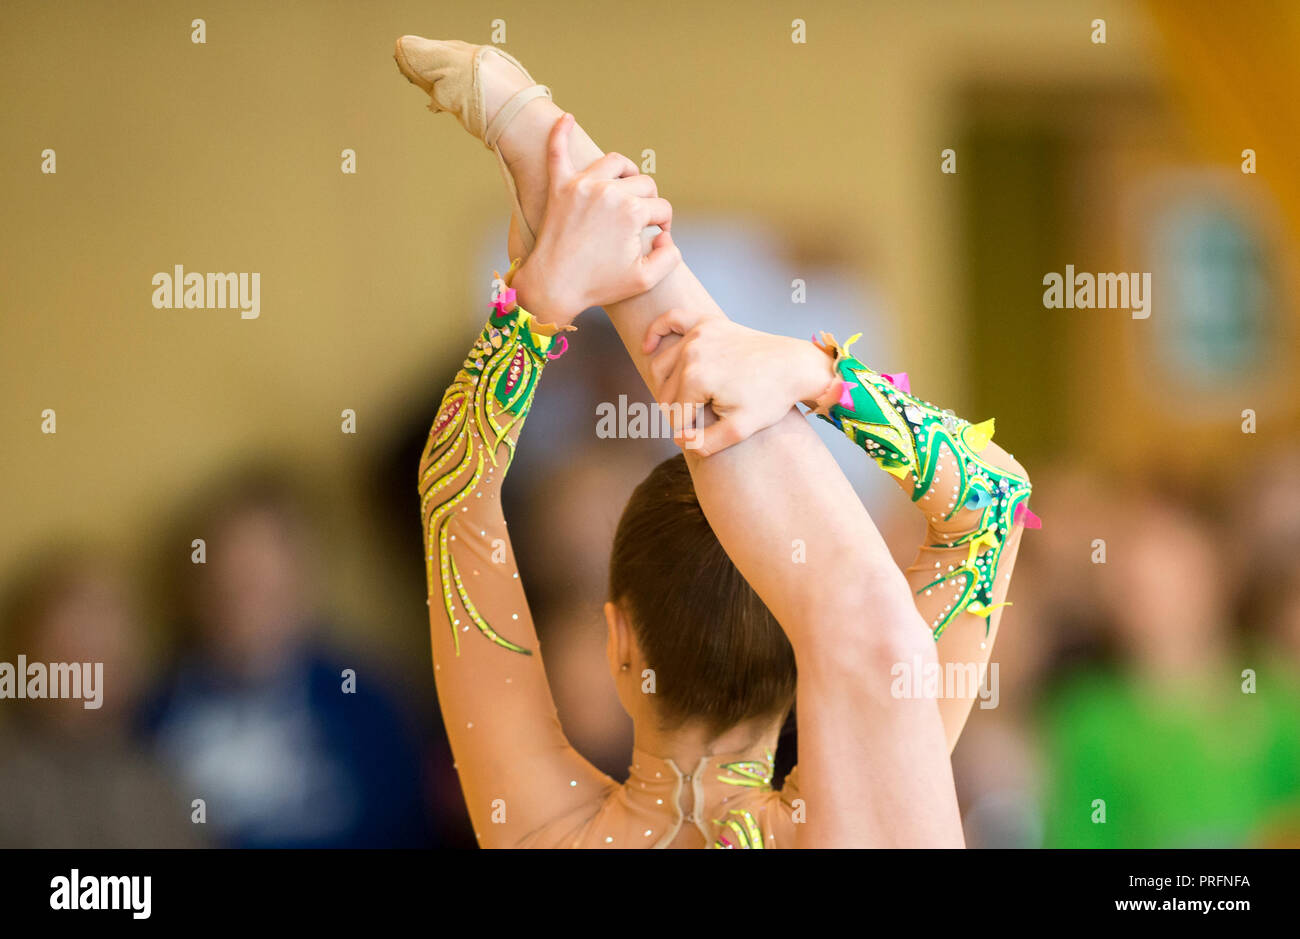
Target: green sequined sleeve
971,501
469,450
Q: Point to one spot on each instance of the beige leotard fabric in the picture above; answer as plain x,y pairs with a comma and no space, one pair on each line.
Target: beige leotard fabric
728,799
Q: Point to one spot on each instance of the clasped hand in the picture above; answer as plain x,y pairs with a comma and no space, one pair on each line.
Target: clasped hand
748,379
719,382
589,250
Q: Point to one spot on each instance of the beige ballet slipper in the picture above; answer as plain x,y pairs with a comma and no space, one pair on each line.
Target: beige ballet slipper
448,72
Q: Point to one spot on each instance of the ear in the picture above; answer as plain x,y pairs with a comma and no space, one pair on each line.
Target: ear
618,644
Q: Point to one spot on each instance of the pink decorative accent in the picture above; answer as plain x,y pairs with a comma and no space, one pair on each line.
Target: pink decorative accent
899,380
506,301
846,393
1026,515
563,342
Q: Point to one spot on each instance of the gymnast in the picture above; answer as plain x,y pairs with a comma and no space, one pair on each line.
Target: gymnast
714,632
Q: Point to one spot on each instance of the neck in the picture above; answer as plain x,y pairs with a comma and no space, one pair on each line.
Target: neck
688,744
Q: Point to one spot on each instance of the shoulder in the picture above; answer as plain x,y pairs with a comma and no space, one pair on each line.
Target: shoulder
582,827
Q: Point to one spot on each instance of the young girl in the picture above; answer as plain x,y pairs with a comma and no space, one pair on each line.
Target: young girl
711,614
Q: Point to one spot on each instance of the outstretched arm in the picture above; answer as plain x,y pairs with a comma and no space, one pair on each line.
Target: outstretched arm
516,767
975,500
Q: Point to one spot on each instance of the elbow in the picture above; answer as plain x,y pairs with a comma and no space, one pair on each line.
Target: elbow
1001,460
1017,468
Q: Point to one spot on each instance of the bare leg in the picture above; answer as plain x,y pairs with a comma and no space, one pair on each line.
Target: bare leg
524,147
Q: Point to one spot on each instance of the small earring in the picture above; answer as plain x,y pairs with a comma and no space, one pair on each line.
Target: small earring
624,667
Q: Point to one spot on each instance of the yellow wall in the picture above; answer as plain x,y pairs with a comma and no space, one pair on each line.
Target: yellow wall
225,156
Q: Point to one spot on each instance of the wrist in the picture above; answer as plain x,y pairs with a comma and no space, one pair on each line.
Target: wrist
534,291
812,371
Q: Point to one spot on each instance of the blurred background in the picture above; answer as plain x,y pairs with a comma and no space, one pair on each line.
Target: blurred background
1152,658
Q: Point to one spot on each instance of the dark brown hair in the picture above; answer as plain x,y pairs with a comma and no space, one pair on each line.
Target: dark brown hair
718,653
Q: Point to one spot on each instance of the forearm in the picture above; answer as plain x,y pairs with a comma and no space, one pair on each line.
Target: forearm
965,649
974,498
515,766
467,455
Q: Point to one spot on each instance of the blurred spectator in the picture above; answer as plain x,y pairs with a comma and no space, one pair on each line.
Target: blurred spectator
1275,656
71,776
1168,739
258,717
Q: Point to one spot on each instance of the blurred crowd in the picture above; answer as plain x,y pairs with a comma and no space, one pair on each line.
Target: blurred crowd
1150,671
242,725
